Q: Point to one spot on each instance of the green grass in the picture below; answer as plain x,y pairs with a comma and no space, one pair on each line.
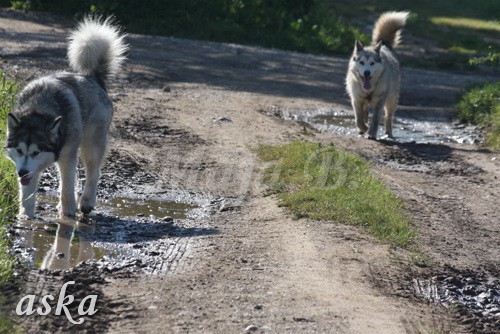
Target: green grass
481,105
8,180
468,23
324,183
8,198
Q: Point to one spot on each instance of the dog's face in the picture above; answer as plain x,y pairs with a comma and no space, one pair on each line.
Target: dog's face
366,64
31,145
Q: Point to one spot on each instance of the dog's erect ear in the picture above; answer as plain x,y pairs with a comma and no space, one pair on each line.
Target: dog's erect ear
377,47
358,46
54,127
12,122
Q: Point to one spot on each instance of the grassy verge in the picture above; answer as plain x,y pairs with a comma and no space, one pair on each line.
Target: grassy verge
8,181
328,184
481,105
8,198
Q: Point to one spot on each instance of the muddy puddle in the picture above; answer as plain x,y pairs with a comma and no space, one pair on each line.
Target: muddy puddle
475,296
147,207
427,127
124,232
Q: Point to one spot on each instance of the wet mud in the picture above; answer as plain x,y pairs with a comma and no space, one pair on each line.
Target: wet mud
125,237
475,296
124,231
428,158
428,127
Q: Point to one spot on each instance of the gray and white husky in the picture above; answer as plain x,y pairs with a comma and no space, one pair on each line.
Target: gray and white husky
373,78
56,115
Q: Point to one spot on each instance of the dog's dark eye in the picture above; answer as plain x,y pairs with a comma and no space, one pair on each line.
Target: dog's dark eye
362,62
372,63
35,153
19,151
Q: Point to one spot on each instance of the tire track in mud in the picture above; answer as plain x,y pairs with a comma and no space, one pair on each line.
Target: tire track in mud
171,257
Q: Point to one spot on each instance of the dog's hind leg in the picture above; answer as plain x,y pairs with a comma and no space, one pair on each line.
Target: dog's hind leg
28,197
67,169
93,149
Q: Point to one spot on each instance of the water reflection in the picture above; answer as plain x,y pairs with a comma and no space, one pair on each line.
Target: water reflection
58,245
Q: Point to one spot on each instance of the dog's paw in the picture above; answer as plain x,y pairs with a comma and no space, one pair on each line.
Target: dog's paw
371,137
27,212
388,137
86,204
362,128
68,210
26,216
86,209
69,214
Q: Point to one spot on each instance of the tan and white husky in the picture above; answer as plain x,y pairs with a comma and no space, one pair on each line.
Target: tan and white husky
373,78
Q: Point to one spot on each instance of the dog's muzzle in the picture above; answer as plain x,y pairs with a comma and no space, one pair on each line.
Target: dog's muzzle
24,177
367,80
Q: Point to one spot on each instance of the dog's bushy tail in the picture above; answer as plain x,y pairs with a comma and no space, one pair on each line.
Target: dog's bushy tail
97,48
388,28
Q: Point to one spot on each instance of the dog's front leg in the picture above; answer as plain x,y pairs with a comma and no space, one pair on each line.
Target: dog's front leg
390,109
67,169
360,113
28,197
372,131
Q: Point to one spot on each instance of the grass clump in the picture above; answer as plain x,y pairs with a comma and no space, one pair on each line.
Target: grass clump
8,198
8,180
467,23
328,184
480,105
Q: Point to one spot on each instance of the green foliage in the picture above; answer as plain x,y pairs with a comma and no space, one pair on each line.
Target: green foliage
8,180
21,5
302,25
7,325
492,57
481,105
328,184
8,199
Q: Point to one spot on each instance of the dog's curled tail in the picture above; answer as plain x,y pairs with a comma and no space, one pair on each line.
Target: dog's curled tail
97,48
388,28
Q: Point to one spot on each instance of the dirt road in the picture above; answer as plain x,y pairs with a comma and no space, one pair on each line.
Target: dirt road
188,116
